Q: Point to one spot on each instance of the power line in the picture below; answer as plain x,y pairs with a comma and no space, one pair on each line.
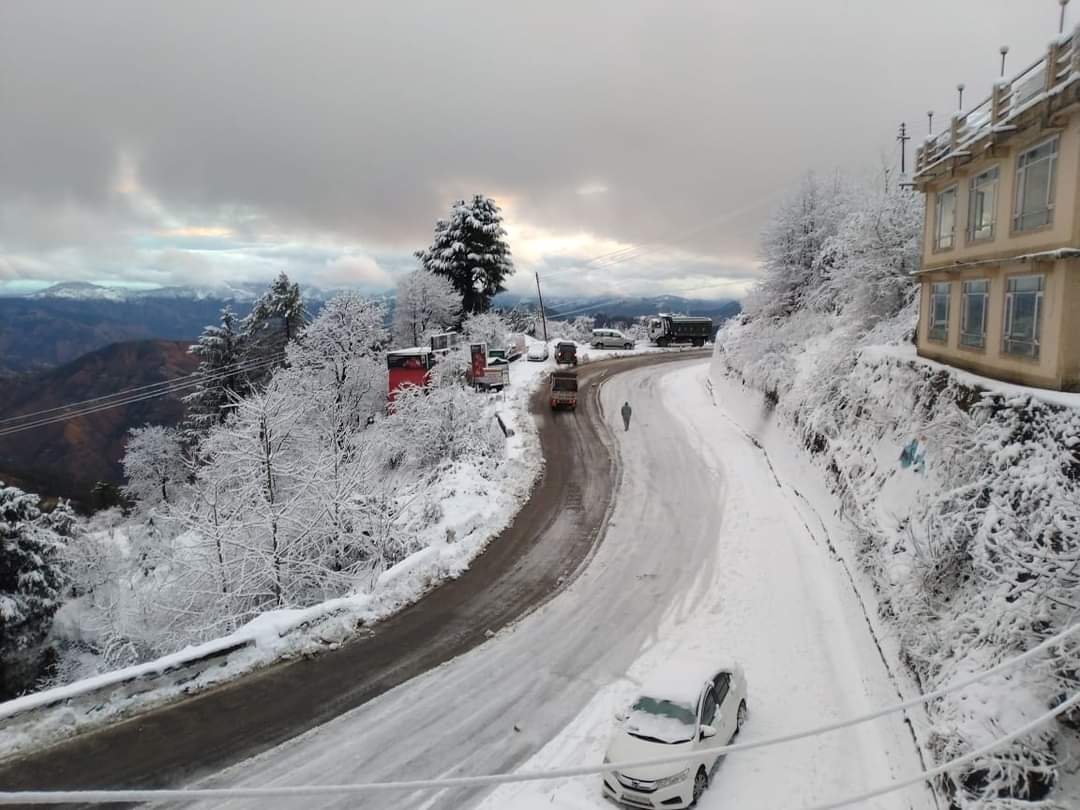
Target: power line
64,417
238,367
107,796
192,794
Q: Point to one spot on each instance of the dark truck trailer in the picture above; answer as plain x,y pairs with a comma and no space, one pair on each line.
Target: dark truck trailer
563,389
665,330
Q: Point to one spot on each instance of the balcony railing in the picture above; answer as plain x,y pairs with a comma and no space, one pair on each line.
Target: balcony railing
1059,68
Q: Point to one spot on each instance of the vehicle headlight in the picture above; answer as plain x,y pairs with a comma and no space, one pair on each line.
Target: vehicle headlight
668,781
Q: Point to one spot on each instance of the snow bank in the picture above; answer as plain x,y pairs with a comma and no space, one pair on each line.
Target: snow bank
962,501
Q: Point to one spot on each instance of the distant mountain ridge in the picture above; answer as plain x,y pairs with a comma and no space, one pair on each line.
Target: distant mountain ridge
632,307
68,457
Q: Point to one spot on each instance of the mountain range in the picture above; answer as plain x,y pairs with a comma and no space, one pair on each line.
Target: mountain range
68,457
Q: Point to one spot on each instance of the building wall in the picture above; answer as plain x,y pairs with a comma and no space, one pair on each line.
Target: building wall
1058,364
1070,330
1065,229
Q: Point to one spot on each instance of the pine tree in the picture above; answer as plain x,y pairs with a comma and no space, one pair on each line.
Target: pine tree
31,581
222,382
277,318
470,249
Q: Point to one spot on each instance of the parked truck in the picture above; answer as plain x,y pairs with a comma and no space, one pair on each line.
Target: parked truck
665,329
563,389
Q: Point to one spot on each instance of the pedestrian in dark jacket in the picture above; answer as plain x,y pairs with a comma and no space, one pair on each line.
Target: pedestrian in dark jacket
626,416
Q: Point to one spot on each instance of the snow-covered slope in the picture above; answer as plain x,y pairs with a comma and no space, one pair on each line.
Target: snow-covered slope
964,505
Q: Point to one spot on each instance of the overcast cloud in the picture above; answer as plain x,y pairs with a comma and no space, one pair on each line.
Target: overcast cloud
189,141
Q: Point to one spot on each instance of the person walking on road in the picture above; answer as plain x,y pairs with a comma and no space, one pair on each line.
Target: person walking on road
626,416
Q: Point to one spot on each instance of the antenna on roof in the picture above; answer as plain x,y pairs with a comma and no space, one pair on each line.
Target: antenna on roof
1003,50
1061,20
960,90
930,122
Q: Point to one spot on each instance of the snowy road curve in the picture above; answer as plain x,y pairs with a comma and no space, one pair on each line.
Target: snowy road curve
703,553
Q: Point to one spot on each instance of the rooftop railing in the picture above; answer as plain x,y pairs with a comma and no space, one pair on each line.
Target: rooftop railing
1009,98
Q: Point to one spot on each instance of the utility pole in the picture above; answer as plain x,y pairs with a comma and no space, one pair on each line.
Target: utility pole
960,90
543,315
1004,51
903,137
930,122
1061,21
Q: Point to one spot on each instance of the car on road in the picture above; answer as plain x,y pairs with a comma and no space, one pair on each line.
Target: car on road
538,352
610,339
684,709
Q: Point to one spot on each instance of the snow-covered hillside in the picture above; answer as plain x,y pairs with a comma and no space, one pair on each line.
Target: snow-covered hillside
962,495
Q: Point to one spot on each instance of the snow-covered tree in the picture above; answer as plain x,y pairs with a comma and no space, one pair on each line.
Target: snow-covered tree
487,327
31,583
221,380
470,249
154,465
277,317
792,245
871,257
425,304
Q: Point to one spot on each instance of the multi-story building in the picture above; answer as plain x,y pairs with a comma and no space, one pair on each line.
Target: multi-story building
1000,278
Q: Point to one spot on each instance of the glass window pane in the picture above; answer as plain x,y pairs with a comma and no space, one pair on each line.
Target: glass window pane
946,218
973,328
1023,311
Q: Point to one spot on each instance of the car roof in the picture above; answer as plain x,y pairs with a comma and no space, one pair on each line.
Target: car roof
682,681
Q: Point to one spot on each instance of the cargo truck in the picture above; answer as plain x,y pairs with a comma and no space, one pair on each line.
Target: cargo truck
665,329
563,389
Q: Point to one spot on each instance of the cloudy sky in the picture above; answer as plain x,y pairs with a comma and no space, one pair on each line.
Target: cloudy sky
194,142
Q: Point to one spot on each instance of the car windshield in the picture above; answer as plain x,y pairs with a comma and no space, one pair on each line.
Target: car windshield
659,720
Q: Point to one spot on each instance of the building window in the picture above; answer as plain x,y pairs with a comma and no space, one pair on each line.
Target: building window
975,297
945,234
1035,186
1023,312
939,311
982,204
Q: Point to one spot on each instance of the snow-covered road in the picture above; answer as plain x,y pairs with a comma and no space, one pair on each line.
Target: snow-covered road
704,554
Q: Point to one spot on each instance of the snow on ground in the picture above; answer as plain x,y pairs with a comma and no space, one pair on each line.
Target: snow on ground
774,598
474,510
705,557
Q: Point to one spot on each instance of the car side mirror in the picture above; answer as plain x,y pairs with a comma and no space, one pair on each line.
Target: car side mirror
620,716
707,731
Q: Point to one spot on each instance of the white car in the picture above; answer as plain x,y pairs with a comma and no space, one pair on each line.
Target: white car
683,710
610,339
538,352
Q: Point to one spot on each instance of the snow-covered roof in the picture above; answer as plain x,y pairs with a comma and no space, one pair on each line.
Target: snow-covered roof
1011,99
413,351
681,680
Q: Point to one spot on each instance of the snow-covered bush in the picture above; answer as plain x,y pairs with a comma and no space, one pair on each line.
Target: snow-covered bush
578,330
974,555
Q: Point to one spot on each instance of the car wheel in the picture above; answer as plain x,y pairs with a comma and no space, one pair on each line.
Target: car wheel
701,781
740,718
628,346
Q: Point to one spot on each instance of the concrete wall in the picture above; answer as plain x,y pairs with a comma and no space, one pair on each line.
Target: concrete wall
1063,232
1058,364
